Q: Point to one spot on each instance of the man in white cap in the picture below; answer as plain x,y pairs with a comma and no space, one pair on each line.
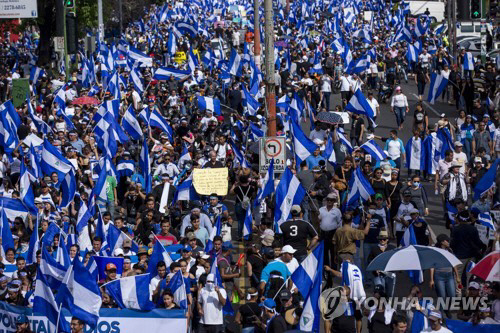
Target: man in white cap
330,218
456,183
211,300
434,319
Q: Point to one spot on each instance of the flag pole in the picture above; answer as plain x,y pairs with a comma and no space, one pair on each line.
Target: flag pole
284,283
58,317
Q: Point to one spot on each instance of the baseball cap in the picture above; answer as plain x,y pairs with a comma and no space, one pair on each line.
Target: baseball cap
288,249
407,193
22,319
434,315
474,285
379,196
110,266
458,143
267,240
118,252
268,303
210,277
295,209
478,159
332,196
414,211
190,235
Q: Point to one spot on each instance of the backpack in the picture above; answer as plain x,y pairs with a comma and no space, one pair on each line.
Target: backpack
245,202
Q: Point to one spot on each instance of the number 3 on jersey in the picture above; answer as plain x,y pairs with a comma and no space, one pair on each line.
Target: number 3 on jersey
293,230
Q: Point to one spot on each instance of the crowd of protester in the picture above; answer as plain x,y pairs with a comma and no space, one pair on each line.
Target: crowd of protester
211,138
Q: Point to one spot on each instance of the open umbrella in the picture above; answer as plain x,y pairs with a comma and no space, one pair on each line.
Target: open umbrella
329,118
413,258
86,100
488,268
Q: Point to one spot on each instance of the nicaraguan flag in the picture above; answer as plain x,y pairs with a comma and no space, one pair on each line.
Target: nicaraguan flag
288,193
80,294
422,27
131,292
251,104
164,73
415,154
451,211
208,103
125,168
358,104
247,224
178,287
308,277
487,181
13,208
329,152
359,187
7,239
185,191
172,43
52,270
412,53
101,263
44,304
34,245
437,86
486,220
409,238
235,64
137,81
36,74
267,185
155,119
25,189
140,57
116,237
372,148
159,254
130,124
468,61
303,146
145,166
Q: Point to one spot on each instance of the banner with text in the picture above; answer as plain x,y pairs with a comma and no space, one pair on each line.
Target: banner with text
110,321
212,180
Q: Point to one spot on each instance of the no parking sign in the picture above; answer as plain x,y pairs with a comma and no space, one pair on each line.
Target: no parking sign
272,148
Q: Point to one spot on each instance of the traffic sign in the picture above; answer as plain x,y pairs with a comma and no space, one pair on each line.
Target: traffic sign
270,148
59,44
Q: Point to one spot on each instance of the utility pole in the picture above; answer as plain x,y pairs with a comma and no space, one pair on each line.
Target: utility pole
270,94
449,9
66,56
256,34
121,16
100,24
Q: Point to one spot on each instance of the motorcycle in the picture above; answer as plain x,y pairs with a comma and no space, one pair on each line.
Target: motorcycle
384,92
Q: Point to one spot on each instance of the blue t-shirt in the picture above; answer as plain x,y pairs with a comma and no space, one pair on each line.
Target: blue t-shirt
275,265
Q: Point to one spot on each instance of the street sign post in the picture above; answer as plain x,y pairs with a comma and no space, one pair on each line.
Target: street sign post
483,41
271,148
59,44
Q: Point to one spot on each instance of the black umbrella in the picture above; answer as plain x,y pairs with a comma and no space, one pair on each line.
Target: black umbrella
329,118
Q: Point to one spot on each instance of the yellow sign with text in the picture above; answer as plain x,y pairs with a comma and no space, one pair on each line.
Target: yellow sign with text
208,181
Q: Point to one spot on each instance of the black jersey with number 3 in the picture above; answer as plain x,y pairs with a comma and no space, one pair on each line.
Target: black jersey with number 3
295,233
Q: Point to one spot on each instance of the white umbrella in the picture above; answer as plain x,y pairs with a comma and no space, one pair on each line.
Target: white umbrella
413,258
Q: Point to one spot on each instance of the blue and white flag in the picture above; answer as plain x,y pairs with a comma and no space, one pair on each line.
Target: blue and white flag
359,187
171,44
125,168
159,254
437,86
372,148
409,238
80,294
164,73
487,181
155,119
329,152
468,61
247,224
422,27
288,193
136,80
412,53
416,154
267,185
52,271
13,208
308,277
34,244
25,190
138,56
40,125
227,309
44,304
36,74
359,104
451,211
486,220
131,125
208,103
316,68
192,61
185,191
116,237
145,166
7,239
249,102
302,145
235,64
131,292
178,287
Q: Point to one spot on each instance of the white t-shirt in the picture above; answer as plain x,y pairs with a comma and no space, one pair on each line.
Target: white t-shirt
326,85
212,308
496,139
345,83
424,58
329,219
374,104
443,168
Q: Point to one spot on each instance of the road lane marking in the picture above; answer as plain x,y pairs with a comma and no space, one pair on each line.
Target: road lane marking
429,106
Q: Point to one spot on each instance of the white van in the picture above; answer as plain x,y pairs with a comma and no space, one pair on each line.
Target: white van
471,28
436,9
